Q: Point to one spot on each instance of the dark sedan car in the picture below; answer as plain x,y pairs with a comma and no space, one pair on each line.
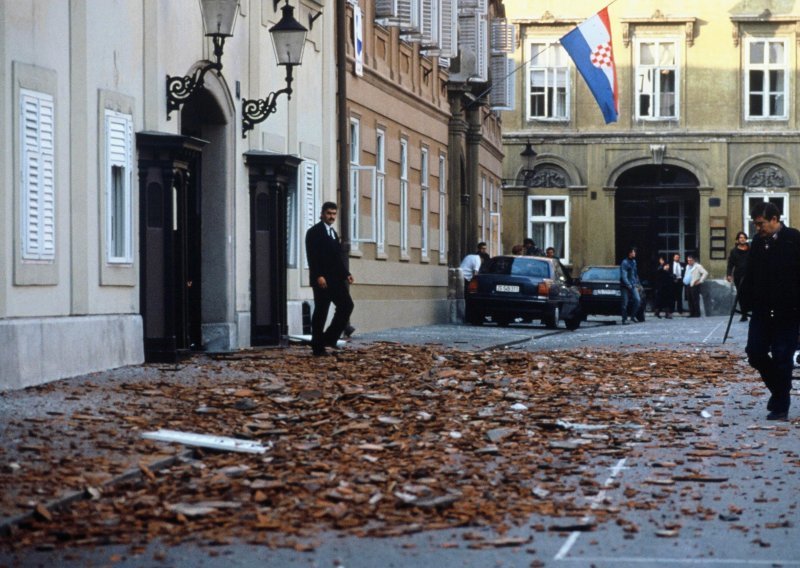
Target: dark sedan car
601,292
510,287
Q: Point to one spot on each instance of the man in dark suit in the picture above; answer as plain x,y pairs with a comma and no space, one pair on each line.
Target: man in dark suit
330,279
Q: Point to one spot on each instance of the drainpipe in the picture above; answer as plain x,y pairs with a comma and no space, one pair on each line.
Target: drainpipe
342,122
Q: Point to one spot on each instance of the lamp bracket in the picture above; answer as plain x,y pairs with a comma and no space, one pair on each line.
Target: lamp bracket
255,111
181,89
312,19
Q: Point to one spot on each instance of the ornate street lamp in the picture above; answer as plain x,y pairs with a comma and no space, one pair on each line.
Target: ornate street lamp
219,17
288,40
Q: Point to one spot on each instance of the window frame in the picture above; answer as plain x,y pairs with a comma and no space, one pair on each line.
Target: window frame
403,199
424,183
656,93
764,195
442,208
550,221
748,67
124,121
380,191
355,189
552,67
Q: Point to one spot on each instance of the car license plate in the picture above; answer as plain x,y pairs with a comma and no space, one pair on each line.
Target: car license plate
506,288
607,292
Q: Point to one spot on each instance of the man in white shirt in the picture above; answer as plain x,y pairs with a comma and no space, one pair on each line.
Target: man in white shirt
472,264
693,277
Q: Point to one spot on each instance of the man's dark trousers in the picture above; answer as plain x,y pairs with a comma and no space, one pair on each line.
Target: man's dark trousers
777,336
337,294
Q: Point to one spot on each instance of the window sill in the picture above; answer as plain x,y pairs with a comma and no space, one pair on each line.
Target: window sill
425,260
356,253
404,257
381,256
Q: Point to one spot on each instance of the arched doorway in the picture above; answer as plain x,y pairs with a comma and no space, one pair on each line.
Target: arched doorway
656,210
210,309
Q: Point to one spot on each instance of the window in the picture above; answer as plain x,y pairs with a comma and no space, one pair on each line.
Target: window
38,176
781,200
404,198
766,79
442,209
548,224
355,189
380,192
424,205
656,79
548,81
119,161
484,208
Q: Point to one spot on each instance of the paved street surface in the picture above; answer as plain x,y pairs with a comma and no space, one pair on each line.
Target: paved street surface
670,464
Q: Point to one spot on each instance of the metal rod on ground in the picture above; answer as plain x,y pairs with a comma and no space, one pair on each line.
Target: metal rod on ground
730,319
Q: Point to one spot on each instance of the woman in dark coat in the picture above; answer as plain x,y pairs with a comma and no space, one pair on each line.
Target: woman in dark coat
737,262
663,286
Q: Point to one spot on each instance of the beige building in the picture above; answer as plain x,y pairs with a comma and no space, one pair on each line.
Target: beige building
708,125
424,155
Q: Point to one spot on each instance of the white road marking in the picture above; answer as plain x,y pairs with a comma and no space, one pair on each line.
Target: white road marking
712,331
570,542
616,560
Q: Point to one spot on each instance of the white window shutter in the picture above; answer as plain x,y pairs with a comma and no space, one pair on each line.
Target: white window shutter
502,36
473,36
501,97
310,205
38,176
466,7
449,34
386,8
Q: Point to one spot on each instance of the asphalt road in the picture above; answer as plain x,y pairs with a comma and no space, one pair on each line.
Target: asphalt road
742,510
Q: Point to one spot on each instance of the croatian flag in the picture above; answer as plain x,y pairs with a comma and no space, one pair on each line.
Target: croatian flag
589,46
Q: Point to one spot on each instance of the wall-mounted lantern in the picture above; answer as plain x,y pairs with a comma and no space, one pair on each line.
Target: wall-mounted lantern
528,154
288,41
219,17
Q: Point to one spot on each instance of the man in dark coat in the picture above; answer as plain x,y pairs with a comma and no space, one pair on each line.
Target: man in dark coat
770,290
330,278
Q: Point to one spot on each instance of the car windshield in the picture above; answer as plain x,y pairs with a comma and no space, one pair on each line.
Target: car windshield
517,266
601,273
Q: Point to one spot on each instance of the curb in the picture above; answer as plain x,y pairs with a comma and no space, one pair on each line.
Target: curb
7,525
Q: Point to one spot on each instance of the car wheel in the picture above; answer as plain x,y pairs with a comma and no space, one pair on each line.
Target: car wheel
551,320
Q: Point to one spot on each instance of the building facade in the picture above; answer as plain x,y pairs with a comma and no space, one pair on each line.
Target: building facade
424,155
708,125
141,222
135,230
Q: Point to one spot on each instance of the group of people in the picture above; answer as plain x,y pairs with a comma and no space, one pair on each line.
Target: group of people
529,248
672,280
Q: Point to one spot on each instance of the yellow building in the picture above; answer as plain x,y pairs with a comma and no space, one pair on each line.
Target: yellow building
708,125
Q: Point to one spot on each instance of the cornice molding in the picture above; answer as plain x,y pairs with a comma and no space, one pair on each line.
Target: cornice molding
688,23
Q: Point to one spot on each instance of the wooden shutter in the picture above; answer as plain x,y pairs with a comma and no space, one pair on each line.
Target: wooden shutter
504,74
502,36
449,33
119,140
38,176
386,8
473,36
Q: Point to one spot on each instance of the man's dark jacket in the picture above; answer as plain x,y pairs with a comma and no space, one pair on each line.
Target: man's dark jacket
771,283
325,256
